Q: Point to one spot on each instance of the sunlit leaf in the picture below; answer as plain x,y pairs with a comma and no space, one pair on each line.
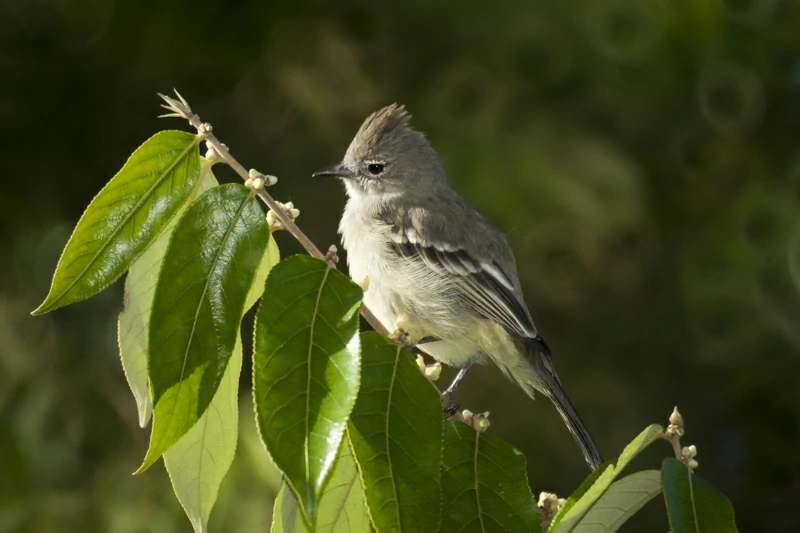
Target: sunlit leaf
599,479
198,462
199,301
306,370
620,501
642,441
270,258
125,217
140,285
341,506
693,505
396,433
484,484
593,487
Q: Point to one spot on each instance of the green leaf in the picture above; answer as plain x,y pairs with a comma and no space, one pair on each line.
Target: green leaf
286,514
270,258
484,484
642,441
341,506
134,320
575,506
125,217
199,301
598,481
198,462
306,370
621,501
396,433
693,505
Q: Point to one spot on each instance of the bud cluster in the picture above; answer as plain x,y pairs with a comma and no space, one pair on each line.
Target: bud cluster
479,422
274,222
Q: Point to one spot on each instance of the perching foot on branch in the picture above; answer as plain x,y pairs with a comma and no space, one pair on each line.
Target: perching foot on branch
451,406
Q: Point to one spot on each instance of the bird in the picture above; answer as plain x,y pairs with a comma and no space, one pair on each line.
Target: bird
436,268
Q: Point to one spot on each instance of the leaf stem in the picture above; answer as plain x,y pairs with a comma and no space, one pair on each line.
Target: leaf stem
691,497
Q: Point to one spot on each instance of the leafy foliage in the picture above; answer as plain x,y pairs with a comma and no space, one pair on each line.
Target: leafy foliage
396,433
125,217
199,301
620,501
484,486
692,504
643,440
198,462
579,503
356,430
306,370
341,508
576,506
134,320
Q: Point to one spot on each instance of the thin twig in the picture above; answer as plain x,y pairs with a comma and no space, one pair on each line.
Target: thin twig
181,109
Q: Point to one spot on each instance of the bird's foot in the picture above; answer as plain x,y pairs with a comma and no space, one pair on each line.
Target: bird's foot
451,406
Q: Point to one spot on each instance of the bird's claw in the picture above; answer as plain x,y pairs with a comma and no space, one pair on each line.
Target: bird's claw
451,406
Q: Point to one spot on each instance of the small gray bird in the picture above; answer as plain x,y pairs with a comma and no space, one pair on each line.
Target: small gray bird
436,268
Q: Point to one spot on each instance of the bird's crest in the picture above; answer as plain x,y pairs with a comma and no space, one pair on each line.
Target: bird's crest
382,122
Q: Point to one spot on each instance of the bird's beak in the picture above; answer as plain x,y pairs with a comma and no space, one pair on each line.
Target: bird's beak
339,171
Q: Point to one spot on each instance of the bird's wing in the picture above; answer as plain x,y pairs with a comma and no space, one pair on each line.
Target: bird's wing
483,285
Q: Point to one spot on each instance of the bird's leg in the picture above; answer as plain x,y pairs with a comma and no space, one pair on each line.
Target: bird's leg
460,376
452,406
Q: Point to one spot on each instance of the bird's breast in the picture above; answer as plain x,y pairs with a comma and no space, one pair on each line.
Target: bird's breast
368,257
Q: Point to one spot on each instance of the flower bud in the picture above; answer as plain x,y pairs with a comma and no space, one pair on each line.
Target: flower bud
689,451
481,422
363,282
433,371
675,418
273,221
548,501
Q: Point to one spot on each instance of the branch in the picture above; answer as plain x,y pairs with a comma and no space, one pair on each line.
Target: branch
180,109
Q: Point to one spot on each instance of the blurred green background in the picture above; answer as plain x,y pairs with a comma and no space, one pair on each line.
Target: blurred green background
642,156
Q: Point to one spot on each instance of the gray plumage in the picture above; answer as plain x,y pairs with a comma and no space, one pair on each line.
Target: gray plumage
436,268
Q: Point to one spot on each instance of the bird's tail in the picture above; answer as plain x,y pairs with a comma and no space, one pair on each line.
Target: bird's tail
538,357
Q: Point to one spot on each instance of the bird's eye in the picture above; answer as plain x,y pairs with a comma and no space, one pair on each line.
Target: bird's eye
375,168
